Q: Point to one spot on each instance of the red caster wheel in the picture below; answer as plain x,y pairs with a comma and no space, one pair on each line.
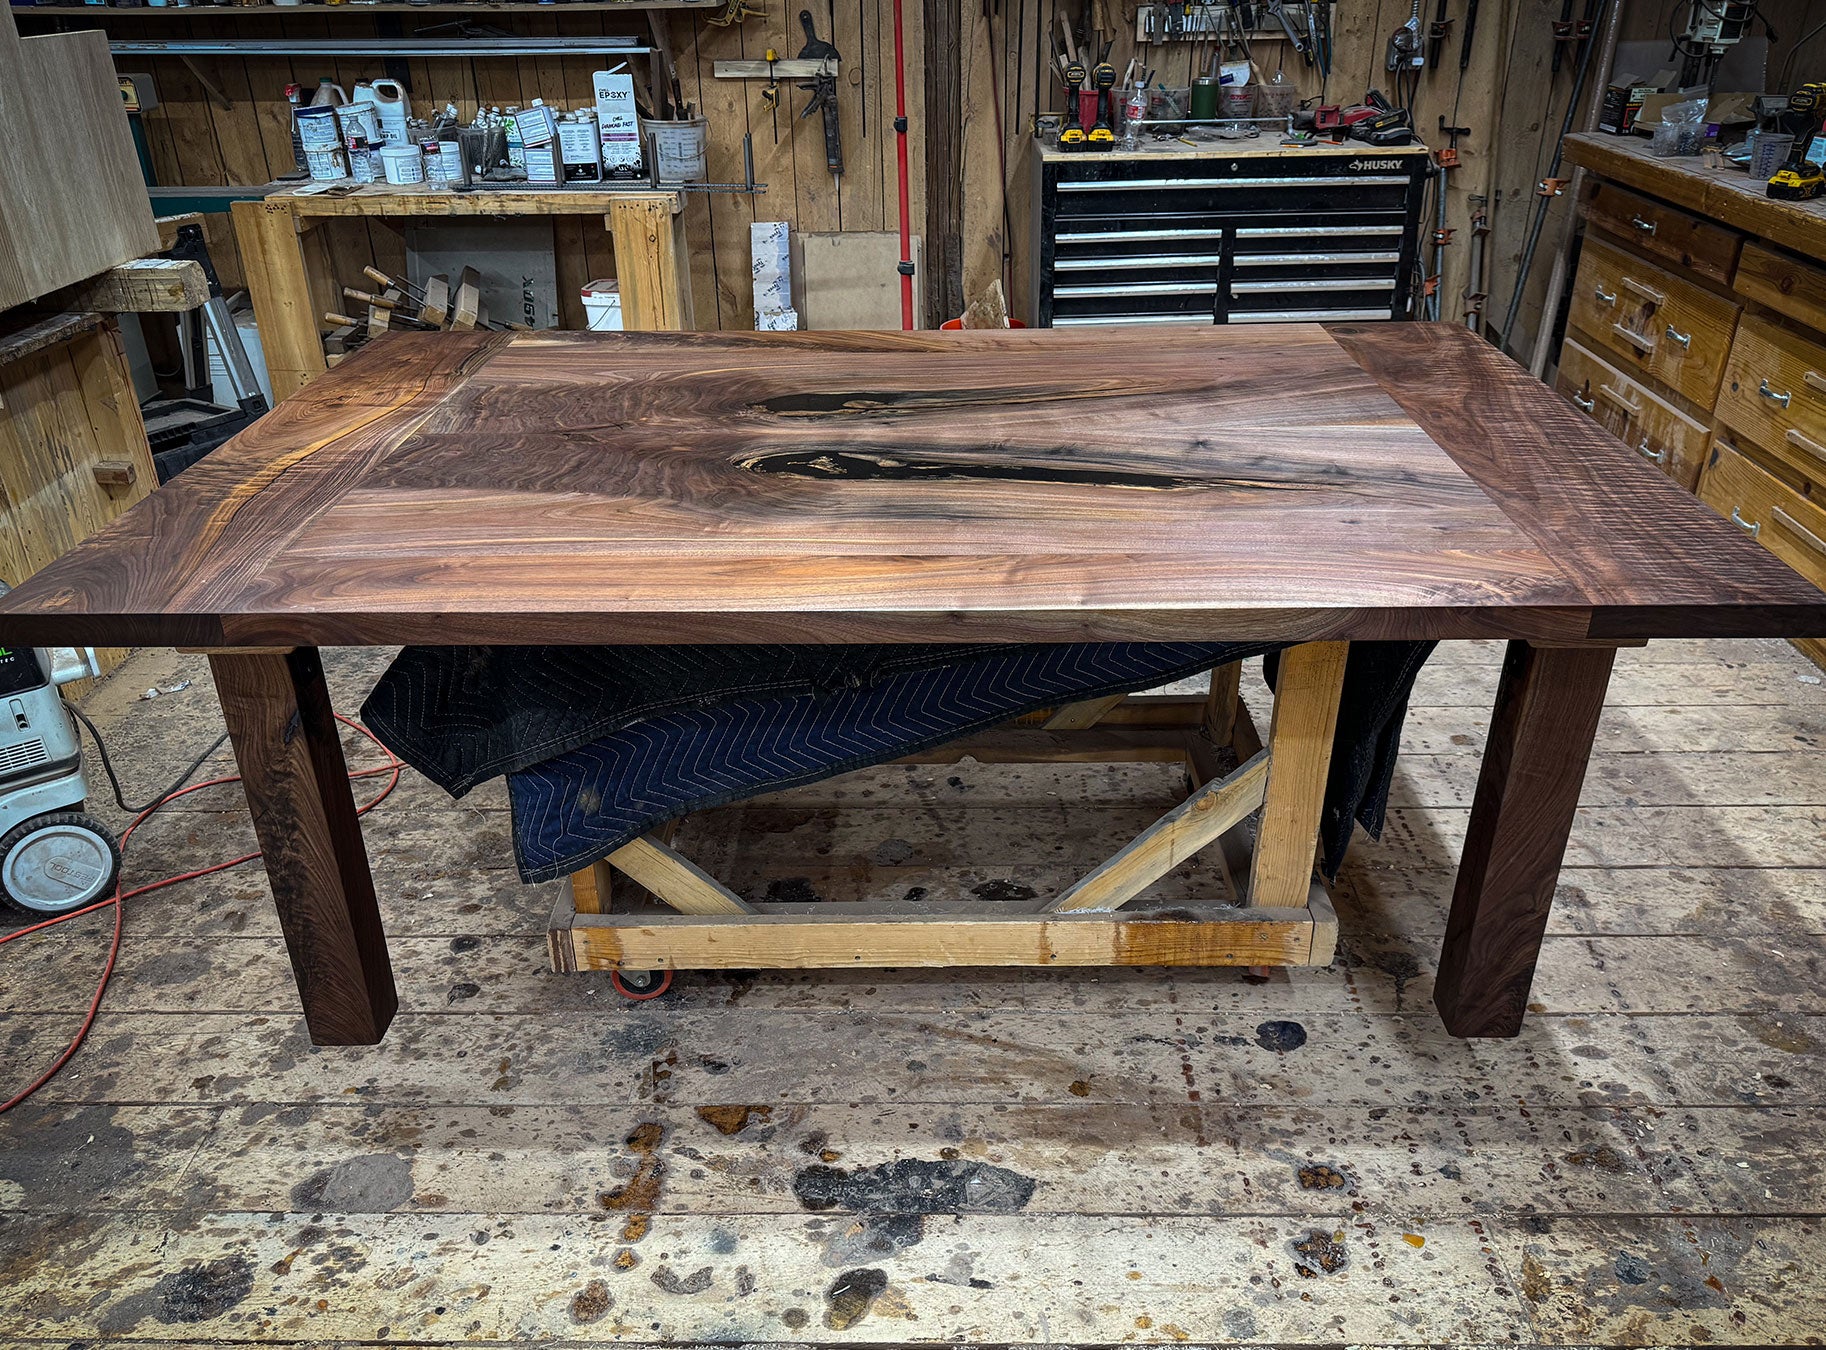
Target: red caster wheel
640,985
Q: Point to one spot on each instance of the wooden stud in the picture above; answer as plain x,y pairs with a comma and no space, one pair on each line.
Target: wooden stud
1078,716
651,262
267,235
1299,745
290,754
1169,841
592,889
1220,703
1547,708
676,880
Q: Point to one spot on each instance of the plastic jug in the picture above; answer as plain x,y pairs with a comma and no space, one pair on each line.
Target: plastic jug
329,94
393,108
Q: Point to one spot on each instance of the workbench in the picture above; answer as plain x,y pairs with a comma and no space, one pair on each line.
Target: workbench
1305,485
293,281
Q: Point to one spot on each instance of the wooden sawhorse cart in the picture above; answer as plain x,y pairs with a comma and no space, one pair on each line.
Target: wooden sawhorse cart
679,917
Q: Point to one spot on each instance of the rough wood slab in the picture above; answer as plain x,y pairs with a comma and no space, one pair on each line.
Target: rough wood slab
1397,481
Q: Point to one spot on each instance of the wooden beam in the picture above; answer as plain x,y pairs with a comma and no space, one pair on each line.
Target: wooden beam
652,262
678,881
141,286
791,68
1547,708
1245,937
1299,746
266,233
1079,716
593,888
288,745
1169,841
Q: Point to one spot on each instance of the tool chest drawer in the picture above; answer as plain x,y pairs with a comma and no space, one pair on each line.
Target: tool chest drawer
1786,284
1652,322
1775,395
1647,424
1218,238
1781,519
1664,231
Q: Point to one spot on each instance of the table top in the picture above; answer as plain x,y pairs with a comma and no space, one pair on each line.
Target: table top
1276,483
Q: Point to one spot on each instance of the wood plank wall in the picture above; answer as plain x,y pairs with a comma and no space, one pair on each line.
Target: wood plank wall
193,141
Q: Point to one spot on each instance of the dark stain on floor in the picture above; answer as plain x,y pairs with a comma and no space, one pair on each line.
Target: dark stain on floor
1319,1177
1003,890
734,1119
791,891
915,1186
193,1294
372,1183
1319,1253
694,1283
851,1295
637,1196
591,1303
1280,1036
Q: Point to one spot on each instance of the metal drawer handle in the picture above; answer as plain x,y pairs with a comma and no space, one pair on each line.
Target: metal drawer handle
1684,339
1811,447
1794,527
1584,404
1604,297
1749,527
1659,456
1772,395
1648,293
1646,226
1633,409
1815,381
1634,338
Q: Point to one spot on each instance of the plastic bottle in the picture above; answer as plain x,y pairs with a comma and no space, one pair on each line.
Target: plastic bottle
1134,112
329,94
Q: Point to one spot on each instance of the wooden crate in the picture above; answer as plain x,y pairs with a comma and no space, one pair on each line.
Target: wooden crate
1268,910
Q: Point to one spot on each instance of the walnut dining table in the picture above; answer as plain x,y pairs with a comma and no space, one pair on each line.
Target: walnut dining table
1300,484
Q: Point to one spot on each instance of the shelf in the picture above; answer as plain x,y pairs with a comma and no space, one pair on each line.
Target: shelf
516,45
275,11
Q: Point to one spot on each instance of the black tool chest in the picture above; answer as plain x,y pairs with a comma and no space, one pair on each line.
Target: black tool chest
1233,235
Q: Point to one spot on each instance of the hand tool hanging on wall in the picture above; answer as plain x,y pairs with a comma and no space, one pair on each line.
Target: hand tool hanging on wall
823,90
1405,45
1437,33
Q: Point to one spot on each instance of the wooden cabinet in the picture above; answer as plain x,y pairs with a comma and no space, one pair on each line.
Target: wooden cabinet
1666,232
1649,425
1696,334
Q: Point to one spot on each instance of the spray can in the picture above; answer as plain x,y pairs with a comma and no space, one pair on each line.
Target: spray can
580,147
294,95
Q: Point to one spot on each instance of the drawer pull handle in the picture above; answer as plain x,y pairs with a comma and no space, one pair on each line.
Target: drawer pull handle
1684,339
1633,409
1648,293
1659,456
1815,381
1774,396
1794,527
1646,226
1635,339
1807,445
1749,527
1584,404
1604,297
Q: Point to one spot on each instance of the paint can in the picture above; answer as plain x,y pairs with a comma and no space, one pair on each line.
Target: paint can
326,166
679,149
317,128
357,119
579,147
542,164
403,164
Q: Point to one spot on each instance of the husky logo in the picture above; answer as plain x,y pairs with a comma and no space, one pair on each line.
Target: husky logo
1374,164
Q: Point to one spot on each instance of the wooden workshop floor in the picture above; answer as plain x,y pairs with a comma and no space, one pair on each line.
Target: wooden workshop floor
1027,1157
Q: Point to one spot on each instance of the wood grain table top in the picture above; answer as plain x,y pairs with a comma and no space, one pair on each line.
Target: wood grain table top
1283,483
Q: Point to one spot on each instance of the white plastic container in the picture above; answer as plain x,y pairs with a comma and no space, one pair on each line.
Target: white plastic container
602,304
318,128
679,149
403,164
392,108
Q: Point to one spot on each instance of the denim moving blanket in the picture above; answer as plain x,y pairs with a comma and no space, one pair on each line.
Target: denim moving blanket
600,744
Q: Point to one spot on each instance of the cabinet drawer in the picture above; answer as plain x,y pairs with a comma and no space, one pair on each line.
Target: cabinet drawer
1787,284
1650,426
1784,522
1775,395
1652,323
1652,227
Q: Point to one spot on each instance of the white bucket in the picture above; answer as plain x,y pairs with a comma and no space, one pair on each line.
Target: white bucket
403,164
680,149
602,305
358,119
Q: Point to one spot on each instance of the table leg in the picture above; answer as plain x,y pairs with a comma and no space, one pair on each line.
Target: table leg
1541,733
286,741
272,257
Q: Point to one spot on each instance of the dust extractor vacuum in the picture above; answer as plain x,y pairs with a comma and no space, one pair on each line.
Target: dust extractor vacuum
53,857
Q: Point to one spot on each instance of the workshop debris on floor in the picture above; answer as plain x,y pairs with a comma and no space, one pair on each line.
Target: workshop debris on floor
1014,1156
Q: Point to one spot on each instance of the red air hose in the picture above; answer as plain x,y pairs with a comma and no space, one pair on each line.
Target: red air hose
900,131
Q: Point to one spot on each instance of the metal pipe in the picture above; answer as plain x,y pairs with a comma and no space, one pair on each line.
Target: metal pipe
1556,280
1546,200
483,46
